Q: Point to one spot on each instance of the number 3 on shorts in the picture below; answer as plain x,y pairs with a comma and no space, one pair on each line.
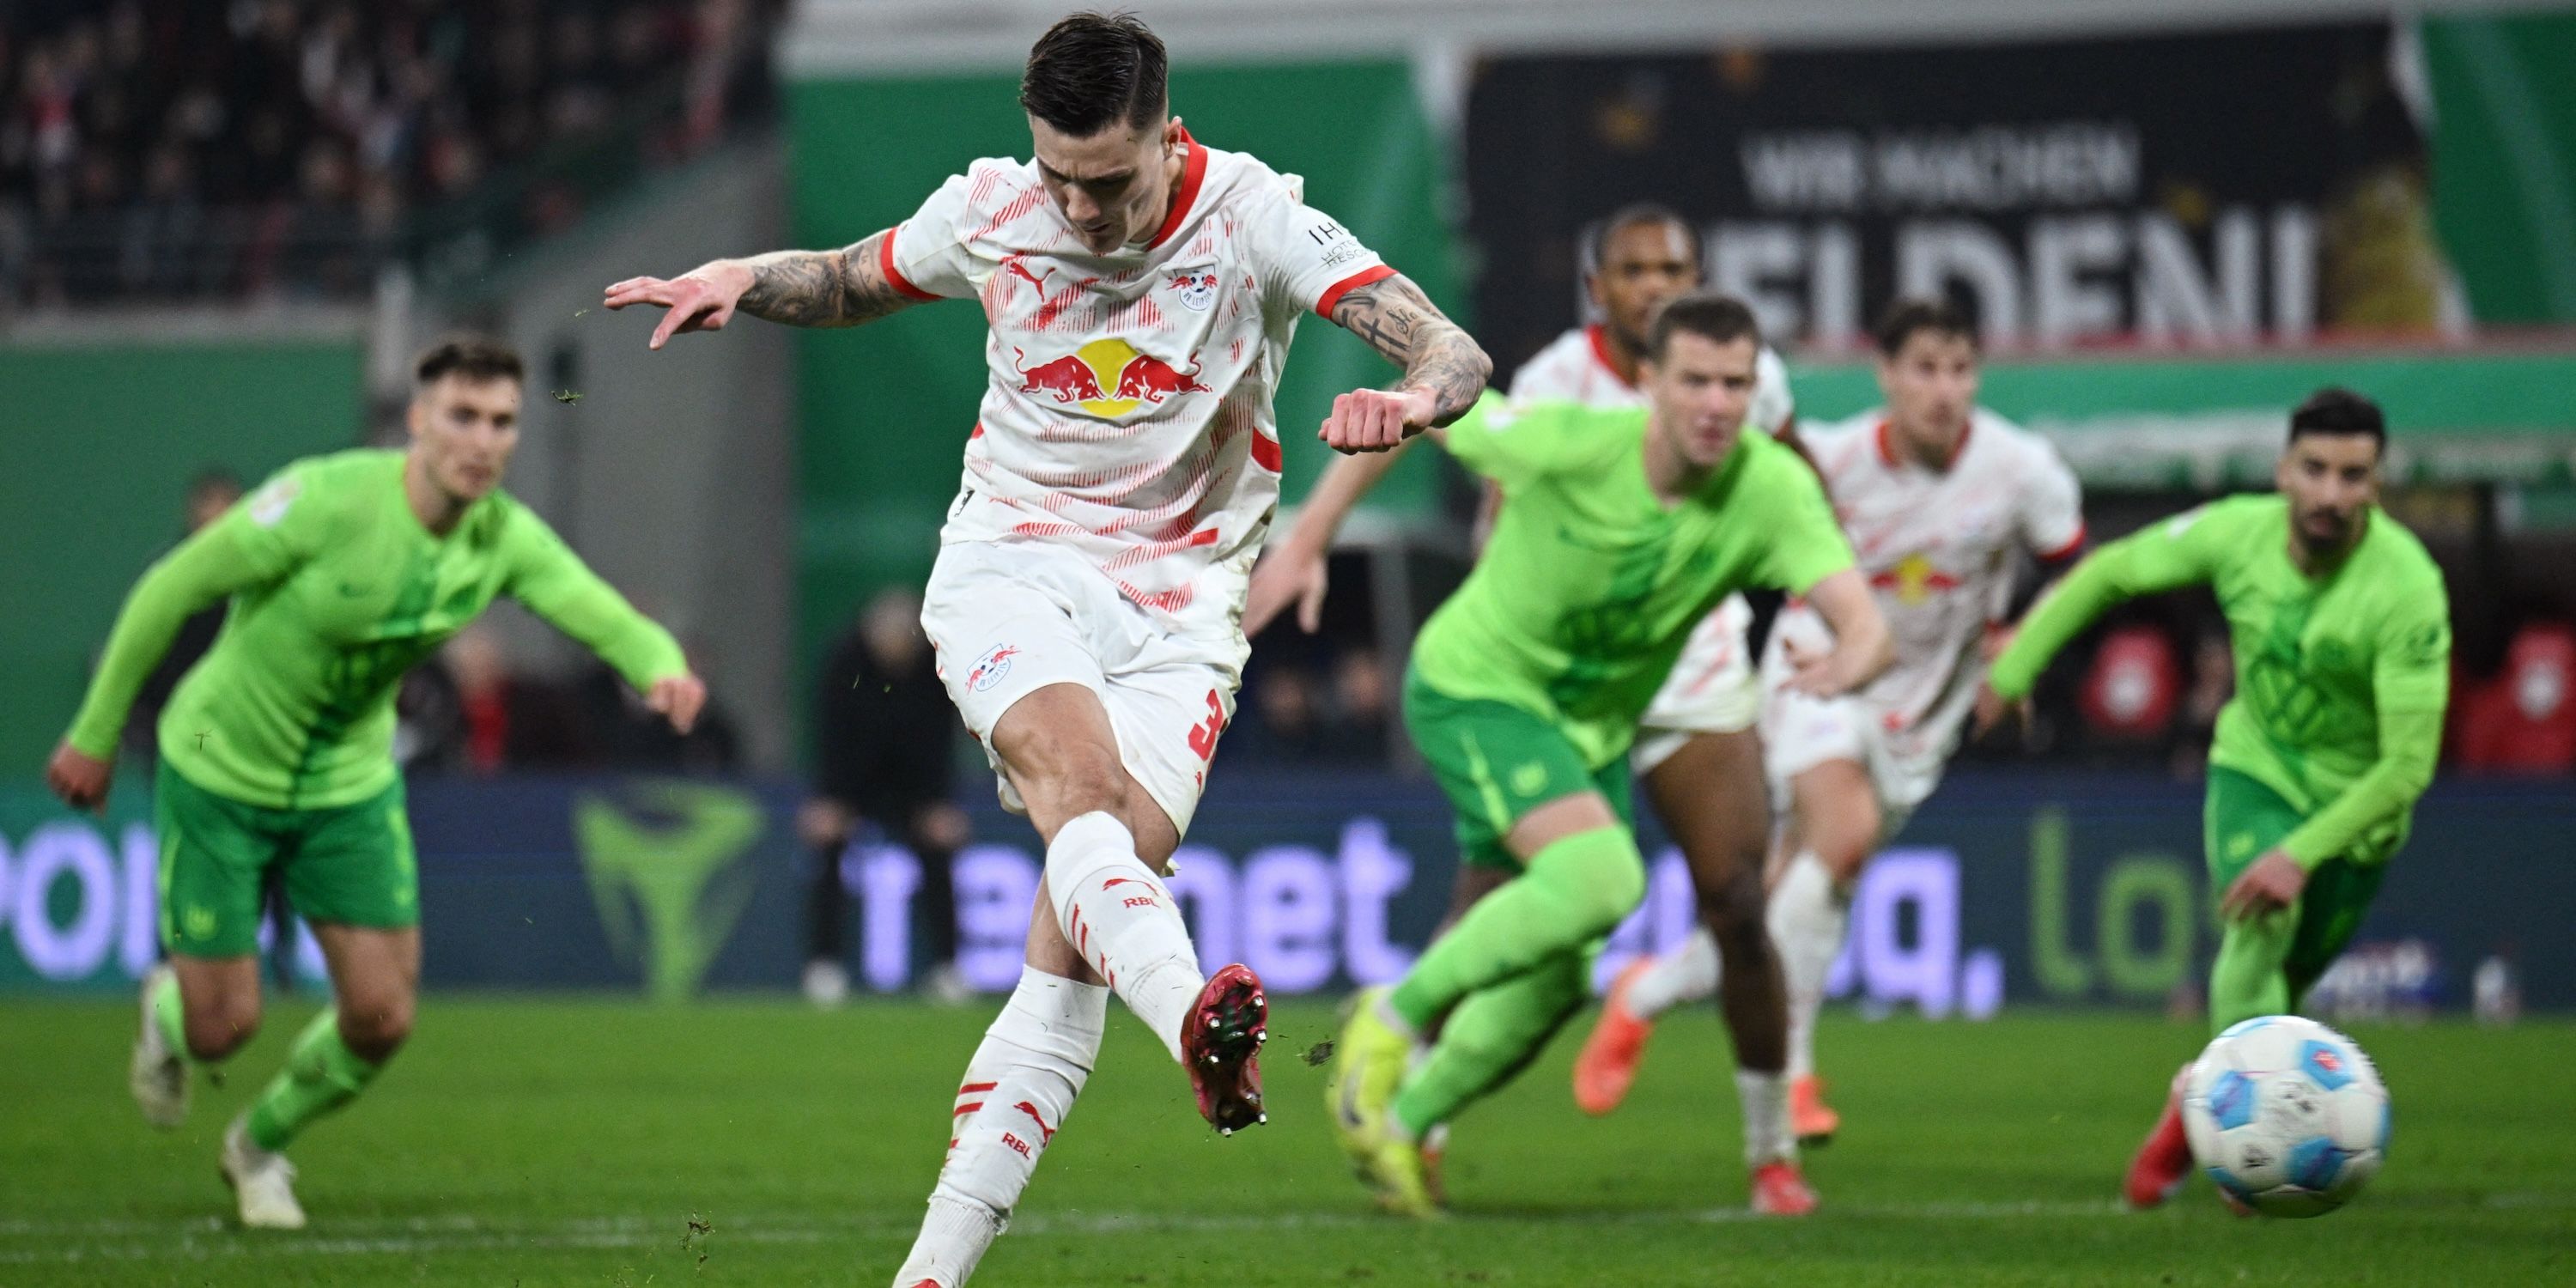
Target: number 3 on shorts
1203,735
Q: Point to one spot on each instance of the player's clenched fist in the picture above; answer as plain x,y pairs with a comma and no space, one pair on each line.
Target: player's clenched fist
79,778
1377,420
701,299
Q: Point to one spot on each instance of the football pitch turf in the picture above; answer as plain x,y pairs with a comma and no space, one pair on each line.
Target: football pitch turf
605,1143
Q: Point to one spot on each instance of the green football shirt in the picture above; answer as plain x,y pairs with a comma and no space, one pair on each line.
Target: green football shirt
1590,584
2340,679
337,589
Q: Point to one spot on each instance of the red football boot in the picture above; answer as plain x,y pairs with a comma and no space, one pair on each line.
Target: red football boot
1780,1189
1221,1043
1608,1064
2163,1162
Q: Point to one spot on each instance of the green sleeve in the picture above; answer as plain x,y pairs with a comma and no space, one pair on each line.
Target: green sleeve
2178,552
1806,544
260,540
1507,441
556,585
2410,684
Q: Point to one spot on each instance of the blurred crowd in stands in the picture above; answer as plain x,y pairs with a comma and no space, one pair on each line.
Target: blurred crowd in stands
230,149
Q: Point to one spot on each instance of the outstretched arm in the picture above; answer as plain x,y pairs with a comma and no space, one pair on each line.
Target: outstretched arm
2167,556
842,287
203,569
1444,369
556,585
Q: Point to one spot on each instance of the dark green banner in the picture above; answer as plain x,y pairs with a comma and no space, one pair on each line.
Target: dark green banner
102,441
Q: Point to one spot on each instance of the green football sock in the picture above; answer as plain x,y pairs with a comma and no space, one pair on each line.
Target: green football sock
321,1075
170,1016
1571,893
1493,1035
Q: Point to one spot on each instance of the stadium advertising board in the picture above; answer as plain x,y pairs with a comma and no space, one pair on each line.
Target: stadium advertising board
2062,889
2205,189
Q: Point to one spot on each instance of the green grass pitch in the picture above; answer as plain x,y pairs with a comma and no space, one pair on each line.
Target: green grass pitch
560,1142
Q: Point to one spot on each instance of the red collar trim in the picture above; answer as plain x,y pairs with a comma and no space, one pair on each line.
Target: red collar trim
1193,170
1600,338
1887,447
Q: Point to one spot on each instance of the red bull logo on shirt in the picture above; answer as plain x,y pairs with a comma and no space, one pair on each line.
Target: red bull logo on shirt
1107,377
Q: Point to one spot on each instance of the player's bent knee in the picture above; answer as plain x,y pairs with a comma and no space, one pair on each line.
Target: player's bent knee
215,1032
375,1028
1603,891
1732,910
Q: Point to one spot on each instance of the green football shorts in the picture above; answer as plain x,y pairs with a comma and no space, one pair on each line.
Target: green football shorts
2243,820
353,865
1496,763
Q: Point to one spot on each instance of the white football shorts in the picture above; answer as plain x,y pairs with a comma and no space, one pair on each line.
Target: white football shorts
1007,619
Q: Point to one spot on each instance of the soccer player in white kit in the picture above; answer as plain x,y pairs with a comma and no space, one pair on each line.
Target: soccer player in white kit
1937,495
1696,746
1141,289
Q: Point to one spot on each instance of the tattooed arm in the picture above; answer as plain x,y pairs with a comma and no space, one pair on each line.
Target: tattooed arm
1444,369
842,287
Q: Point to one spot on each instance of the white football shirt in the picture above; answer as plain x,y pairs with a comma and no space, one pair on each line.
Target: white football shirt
1128,415
1937,547
1576,367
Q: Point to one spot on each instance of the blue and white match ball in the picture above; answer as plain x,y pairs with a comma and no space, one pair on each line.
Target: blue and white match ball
2287,1115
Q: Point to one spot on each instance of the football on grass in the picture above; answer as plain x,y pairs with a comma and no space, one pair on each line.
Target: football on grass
2287,1115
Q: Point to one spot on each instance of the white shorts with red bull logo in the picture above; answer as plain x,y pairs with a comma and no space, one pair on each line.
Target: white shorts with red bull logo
1712,689
1010,618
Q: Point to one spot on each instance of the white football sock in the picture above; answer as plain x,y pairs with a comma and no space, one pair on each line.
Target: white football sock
1124,922
1765,1097
1018,1089
1807,919
1686,974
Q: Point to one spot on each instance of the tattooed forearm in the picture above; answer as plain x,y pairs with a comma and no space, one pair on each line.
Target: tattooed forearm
842,287
1399,321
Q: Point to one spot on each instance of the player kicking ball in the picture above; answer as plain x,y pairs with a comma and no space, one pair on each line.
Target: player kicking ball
1141,289
2342,636
277,748
1938,495
1698,733
1620,530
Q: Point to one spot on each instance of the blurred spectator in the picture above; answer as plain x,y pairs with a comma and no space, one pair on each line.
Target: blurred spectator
1279,719
482,680
2130,690
2523,721
2213,682
1355,729
211,493
192,147
885,742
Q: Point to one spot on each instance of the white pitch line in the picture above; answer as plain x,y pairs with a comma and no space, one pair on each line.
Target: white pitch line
205,1239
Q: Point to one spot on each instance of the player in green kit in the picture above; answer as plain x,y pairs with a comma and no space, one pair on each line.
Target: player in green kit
1620,530
2342,637
277,748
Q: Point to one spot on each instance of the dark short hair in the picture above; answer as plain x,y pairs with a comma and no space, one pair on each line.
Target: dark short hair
1907,315
1706,314
475,357
1629,216
1095,70
2337,410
